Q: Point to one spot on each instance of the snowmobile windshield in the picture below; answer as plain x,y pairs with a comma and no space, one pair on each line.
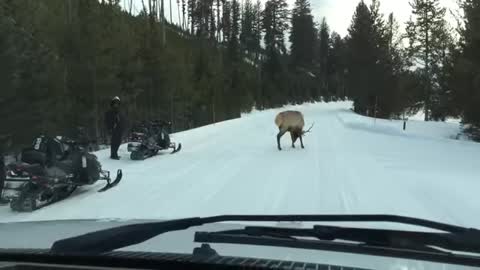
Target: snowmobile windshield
447,245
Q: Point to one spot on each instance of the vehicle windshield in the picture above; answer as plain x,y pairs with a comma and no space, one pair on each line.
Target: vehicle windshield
116,112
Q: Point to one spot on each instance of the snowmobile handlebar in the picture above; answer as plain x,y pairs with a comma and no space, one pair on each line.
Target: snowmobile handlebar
75,143
156,122
149,126
161,122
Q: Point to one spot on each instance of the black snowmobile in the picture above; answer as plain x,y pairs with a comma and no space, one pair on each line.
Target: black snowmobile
148,138
50,171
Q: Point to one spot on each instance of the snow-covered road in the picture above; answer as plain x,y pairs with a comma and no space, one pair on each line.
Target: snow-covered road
351,164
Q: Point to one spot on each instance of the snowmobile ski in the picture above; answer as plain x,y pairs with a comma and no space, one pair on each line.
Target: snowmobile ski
115,182
176,150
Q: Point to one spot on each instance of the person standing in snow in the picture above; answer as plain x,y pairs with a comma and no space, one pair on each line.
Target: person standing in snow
4,142
114,121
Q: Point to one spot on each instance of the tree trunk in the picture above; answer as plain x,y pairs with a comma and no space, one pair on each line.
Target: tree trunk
213,110
192,21
218,21
171,19
172,120
427,70
162,18
95,101
179,18
183,15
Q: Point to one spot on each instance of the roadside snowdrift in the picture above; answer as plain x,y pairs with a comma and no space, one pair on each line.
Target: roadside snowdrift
351,164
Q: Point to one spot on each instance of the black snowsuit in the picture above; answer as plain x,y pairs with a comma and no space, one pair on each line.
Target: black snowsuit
2,171
114,121
2,175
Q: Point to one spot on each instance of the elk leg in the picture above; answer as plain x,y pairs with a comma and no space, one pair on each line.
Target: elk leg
301,141
279,135
294,138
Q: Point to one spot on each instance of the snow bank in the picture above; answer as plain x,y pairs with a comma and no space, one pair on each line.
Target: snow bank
414,128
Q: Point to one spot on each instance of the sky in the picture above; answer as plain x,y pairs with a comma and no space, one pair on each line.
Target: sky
338,12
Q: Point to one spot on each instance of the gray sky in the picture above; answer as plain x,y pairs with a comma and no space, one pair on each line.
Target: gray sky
338,12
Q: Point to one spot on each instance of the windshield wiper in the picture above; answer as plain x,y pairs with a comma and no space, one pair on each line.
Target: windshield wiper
466,241
124,236
121,236
428,246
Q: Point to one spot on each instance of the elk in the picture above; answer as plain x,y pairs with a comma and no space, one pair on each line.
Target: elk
290,121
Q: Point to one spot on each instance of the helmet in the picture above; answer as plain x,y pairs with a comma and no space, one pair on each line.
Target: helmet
116,99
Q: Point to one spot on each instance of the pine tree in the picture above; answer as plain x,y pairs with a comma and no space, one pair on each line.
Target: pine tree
247,38
275,23
336,66
302,35
226,20
361,56
396,99
257,29
191,6
213,25
219,24
324,44
441,97
235,32
465,70
204,17
425,32
274,76
302,45
387,66
184,13
395,39
370,69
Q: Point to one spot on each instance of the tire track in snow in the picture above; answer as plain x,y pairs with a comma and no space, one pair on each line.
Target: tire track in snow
345,193
205,188
332,173
251,185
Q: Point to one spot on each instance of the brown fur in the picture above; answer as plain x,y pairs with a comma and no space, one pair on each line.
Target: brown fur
290,121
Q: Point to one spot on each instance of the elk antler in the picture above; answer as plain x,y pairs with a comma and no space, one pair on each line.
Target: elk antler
308,130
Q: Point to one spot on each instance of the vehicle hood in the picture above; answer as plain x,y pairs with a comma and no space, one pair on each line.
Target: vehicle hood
42,234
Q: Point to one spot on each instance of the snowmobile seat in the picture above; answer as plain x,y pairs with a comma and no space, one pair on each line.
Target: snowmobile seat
44,151
33,156
32,169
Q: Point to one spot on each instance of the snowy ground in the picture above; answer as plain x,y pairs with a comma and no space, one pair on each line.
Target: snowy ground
351,164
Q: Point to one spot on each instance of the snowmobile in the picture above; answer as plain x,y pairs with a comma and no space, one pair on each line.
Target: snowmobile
50,171
148,138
